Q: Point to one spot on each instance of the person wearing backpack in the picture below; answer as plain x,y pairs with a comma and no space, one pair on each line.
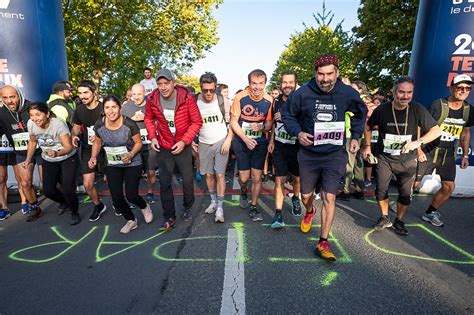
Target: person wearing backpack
453,114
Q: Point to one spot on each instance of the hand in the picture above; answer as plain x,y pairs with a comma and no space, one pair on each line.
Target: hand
410,146
464,162
75,141
92,162
226,146
178,147
256,126
271,146
155,145
354,146
277,116
305,138
195,147
91,139
25,164
127,157
250,143
366,151
51,153
421,156
138,116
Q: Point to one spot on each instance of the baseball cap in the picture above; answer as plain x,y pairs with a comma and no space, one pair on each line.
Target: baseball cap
165,73
61,86
462,78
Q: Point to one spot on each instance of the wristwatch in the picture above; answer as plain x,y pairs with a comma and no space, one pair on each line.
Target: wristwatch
421,141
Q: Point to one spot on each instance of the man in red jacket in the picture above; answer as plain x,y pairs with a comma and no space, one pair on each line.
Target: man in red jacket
172,120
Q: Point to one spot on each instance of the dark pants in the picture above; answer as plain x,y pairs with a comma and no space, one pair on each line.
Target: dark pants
166,164
63,172
116,177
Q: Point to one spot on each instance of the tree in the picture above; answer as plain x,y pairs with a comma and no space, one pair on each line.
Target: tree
304,47
384,40
189,80
111,41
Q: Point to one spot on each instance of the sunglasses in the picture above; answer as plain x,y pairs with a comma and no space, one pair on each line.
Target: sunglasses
204,91
463,88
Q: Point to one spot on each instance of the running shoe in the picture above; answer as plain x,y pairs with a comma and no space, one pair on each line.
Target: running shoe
187,215
150,198
325,251
307,221
34,214
75,219
295,206
167,224
367,183
359,195
399,227
118,213
147,214
343,196
433,218
62,208
4,214
244,200
254,214
98,211
130,225
211,208
277,221
25,208
219,215
382,223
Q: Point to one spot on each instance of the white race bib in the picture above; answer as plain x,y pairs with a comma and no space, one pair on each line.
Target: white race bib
20,141
250,133
114,154
5,146
281,135
393,144
329,133
374,136
90,134
143,135
169,116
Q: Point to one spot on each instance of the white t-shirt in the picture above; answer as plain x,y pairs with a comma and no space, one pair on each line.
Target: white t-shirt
214,128
149,84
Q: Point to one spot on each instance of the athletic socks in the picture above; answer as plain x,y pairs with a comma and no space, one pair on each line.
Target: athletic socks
430,209
220,202
213,195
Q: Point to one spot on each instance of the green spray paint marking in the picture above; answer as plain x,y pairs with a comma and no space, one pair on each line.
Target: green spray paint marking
156,252
345,258
72,244
232,203
328,278
99,258
86,199
239,228
433,234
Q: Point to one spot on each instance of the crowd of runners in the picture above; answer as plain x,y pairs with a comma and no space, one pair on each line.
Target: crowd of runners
320,135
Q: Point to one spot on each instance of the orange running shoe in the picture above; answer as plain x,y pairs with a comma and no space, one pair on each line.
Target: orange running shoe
307,221
325,251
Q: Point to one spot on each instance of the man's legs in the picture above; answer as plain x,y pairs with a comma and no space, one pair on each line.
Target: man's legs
327,213
185,166
3,187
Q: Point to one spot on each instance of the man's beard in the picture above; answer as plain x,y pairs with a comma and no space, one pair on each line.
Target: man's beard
326,88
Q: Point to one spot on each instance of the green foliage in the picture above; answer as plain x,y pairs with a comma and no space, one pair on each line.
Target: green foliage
384,40
110,41
189,80
304,47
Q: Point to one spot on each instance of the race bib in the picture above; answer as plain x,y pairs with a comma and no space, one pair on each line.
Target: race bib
374,136
114,154
90,134
143,136
5,146
329,133
169,116
250,133
393,144
450,132
281,135
20,141
211,115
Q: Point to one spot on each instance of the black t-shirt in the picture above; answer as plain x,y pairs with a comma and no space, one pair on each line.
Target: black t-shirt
391,141
451,128
87,118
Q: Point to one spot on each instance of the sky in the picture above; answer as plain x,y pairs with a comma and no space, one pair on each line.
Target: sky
253,33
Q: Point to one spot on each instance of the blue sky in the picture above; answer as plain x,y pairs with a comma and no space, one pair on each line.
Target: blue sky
252,34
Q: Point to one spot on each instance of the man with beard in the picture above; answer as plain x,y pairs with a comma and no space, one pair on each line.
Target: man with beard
398,124
61,103
284,148
315,114
148,82
84,119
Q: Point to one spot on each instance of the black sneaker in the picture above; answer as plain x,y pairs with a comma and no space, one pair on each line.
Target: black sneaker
75,219
382,223
98,210
399,227
343,196
187,215
254,214
277,221
244,200
359,195
118,213
34,215
61,209
295,206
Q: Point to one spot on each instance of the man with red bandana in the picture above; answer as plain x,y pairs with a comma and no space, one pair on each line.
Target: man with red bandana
315,113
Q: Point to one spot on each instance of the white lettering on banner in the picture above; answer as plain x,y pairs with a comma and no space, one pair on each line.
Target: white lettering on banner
14,79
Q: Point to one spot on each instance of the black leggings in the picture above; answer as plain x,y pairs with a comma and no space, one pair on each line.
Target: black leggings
116,177
63,172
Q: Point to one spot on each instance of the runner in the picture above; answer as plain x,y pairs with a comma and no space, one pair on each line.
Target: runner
59,157
120,137
250,115
452,114
285,153
397,123
214,143
148,82
315,113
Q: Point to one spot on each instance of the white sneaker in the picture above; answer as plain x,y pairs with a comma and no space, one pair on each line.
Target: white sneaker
147,214
219,215
212,208
130,225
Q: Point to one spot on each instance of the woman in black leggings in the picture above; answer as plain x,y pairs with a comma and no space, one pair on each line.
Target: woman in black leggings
60,159
122,143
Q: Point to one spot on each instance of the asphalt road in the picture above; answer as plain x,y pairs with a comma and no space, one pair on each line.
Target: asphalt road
240,266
